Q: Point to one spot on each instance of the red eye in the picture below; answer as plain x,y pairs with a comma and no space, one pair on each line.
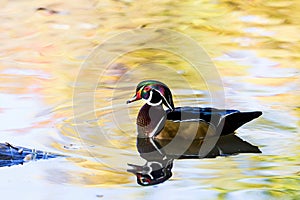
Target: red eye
146,89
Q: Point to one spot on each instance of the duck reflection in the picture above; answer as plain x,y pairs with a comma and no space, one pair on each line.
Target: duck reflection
160,155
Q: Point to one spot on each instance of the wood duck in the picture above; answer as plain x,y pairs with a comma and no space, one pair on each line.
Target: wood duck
185,122
159,158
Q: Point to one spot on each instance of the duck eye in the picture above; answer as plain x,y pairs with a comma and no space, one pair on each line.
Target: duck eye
145,180
146,89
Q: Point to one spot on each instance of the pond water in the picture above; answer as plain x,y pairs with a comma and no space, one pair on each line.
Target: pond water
48,102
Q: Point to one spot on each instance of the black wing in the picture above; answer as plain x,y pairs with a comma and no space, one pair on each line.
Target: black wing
226,121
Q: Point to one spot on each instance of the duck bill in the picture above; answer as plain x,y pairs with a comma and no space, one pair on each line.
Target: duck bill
135,98
135,169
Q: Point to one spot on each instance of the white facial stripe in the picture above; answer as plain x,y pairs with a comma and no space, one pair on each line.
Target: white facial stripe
154,104
164,99
142,89
148,101
150,98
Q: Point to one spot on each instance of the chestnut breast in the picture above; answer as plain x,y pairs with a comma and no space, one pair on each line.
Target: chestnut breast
150,120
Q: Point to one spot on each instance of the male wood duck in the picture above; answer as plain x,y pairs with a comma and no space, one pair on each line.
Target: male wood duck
186,122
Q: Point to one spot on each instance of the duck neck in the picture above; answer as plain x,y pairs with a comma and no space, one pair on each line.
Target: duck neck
150,120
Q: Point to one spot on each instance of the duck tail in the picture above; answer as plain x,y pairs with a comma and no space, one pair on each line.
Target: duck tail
233,121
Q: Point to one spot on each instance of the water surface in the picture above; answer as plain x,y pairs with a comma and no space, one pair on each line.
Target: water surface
255,48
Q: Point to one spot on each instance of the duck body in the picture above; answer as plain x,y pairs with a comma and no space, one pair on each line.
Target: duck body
190,122
154,121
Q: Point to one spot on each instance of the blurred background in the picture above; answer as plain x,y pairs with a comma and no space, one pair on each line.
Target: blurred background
254,45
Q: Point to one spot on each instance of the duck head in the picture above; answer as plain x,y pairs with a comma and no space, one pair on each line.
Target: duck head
152,173
154,93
